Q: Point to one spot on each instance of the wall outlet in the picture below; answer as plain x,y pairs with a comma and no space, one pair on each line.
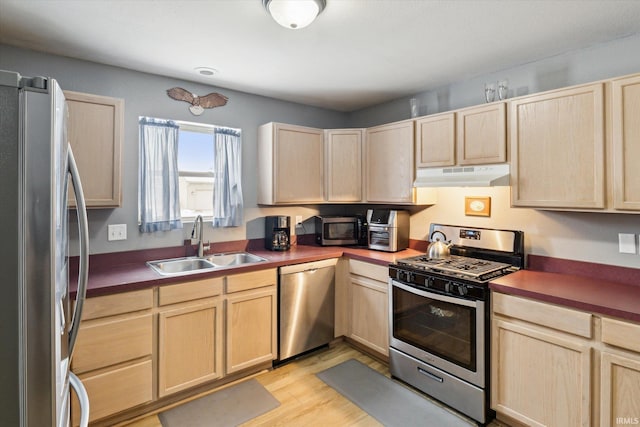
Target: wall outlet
626,243
298,220
117,232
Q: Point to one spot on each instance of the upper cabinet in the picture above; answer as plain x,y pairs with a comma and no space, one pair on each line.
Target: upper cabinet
95,132
470,136
389,163
290,164
343,165
625,126
482,134
298,165
557,149
436,140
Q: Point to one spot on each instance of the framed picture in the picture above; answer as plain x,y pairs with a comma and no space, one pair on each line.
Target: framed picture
477,206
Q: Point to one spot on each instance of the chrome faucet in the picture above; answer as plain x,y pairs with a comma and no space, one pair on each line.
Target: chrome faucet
197,225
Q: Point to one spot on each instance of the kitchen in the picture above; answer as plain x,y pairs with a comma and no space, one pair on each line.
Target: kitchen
582,236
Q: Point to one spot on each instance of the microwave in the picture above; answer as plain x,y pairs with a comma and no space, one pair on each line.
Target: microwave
333,230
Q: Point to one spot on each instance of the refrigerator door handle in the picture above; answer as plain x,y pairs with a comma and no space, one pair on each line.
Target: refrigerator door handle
83,229
83,398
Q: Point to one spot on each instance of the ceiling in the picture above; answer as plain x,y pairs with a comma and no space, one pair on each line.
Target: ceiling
357,53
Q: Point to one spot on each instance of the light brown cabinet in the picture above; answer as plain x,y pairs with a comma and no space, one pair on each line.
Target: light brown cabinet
189,335
581,368
436,140
625,125
290,164
470,136
368,306
557,149
540,376
389,163
113,355
482,134
95,131
620,373
251,319
343,165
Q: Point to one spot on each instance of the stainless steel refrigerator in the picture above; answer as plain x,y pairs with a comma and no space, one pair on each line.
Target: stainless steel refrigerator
38,323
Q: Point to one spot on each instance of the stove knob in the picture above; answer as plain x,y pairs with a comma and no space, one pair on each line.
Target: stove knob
448,287
463,290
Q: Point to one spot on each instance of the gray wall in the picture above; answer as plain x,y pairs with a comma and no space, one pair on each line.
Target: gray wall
145,95
580,236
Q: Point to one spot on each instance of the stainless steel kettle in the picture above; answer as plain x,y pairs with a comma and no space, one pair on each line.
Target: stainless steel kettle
438,249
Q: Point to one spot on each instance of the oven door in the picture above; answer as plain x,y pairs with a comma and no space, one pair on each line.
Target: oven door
443,331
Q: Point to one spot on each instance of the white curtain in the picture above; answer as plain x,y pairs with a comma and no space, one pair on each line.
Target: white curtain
158,191
227,191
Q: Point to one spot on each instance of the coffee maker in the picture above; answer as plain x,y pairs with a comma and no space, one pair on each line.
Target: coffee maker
276,232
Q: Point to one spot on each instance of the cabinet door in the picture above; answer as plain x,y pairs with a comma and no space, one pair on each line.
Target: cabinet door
343,165
95,132
538,377
190,346
626,142
436,141
620,389
298,164
389,163
369,305
115,390
482,135
557,149
251,328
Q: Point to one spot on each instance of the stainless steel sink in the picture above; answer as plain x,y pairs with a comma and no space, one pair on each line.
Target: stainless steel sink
177,266
189,265
233,259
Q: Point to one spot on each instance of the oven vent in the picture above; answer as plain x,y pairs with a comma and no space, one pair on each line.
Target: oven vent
464,176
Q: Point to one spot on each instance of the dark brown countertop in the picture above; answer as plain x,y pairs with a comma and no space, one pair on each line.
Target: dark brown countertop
588,288
114,273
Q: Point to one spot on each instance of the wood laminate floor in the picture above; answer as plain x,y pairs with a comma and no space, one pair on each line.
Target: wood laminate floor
305,400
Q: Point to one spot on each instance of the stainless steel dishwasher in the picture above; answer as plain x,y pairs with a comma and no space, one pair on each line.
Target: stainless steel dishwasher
306,307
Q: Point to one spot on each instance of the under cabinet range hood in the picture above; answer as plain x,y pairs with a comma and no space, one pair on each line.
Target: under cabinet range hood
463,176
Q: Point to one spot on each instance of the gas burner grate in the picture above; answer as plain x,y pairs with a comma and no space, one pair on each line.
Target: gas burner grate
455,264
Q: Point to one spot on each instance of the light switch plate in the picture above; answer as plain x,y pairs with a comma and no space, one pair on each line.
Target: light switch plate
626,243
117,232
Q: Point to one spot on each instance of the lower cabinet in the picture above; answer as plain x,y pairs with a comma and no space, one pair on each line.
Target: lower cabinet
251,319
551,367
189,335
620,373
368,305
113,354
542,379
137,347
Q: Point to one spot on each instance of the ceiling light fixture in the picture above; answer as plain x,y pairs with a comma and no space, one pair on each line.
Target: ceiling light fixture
294,14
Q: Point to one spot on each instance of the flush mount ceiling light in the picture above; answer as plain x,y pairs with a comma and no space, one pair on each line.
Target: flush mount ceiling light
294,14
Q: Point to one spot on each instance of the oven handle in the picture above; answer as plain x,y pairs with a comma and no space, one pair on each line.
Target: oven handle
433,295
430,375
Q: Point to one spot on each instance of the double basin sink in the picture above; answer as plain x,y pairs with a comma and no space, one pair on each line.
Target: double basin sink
187,265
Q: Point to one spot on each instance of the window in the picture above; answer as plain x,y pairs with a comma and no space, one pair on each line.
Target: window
188,169
196,169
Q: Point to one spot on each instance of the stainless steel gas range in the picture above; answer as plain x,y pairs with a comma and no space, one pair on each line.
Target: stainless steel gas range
439,315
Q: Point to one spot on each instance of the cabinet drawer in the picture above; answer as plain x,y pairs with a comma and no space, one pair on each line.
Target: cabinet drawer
366,269
189,291
111,305
252,280
116,390
552,316
621,334
116,341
